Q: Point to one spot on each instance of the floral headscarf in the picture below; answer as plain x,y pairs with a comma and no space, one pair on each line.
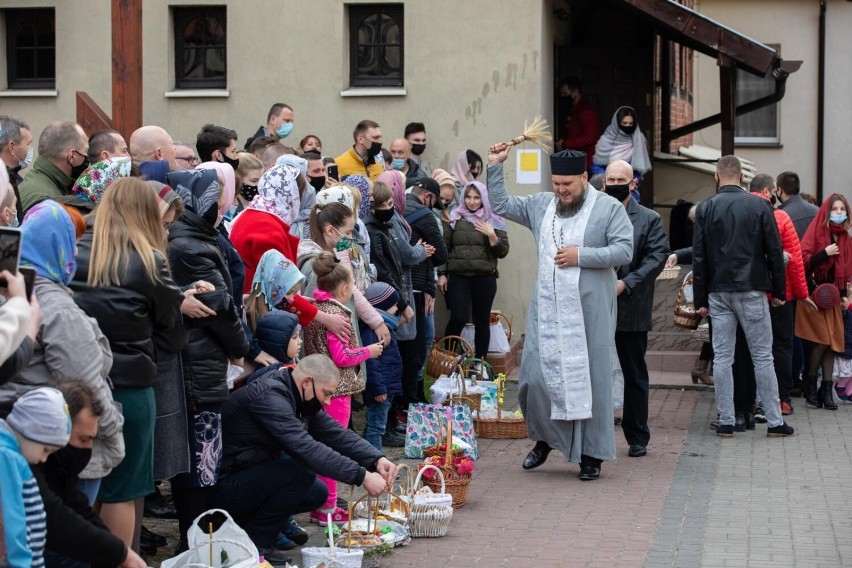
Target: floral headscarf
278,193
276,276
484,213
49,242
336,193
230,188
362,184
93,182
199,190
292,160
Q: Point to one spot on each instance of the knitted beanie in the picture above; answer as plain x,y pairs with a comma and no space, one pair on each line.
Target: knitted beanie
41,415
381,295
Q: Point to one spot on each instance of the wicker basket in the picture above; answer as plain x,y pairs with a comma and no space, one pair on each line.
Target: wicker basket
672,273
452,482
500,428
685,315
446,354
473,400
431,513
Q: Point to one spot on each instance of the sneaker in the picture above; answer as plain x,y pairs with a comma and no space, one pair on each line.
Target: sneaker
283,542
781,431
786,408
393,440
759,415
342,504
725,430
338,517
294,532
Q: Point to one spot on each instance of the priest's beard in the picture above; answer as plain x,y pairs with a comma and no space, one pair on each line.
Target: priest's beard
568,210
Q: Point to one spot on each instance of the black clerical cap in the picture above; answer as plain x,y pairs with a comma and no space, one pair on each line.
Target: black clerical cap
568,163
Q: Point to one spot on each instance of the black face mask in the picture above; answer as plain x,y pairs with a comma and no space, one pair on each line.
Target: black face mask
248,192
772,199
383,215
70,460
629,130
620,192
317,182
76,171
231,162
418,149
375,149
310,407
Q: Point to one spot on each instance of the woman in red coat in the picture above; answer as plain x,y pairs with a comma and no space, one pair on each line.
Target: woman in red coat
827,253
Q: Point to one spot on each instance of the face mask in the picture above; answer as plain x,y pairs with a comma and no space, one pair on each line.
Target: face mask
398,163
231,162
620,192
837,218
312,406
248,191
375,149
14,220
76,171
772,199
383,215
317,182
418,149
344,243
629,130
71,460
28,159
284,130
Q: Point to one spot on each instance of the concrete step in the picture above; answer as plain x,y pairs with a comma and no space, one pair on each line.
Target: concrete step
671,361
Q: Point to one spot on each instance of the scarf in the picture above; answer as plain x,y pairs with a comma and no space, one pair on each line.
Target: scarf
295,161
443,177
155,170
49,242
165,196
616,145
336,194
278,193
561,327
818,236
230,188
362,184
93,182
484,213
199,190
461,170
275,275
396,181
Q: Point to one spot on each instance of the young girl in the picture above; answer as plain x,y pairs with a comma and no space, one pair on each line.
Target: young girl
334,290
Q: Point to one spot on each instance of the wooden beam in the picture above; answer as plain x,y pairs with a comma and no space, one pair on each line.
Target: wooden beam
665,94
728,103
90,116
127,65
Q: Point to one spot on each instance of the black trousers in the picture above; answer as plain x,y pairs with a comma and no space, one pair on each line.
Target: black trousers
745,387
471,294
412,357
631,347
783,324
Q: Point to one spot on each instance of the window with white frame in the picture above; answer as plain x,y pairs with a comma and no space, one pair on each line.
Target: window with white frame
761,126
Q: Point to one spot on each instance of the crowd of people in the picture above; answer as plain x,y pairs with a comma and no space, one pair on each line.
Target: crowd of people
212,317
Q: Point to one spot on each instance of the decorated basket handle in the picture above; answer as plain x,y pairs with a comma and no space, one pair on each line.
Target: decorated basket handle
418,479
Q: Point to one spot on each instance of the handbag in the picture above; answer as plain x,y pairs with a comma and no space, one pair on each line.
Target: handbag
424,428
229,546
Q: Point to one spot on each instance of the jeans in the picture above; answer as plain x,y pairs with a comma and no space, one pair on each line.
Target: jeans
783,323
261,497
428,340
751,310
412,358
89,488
631,347
472,294
377,418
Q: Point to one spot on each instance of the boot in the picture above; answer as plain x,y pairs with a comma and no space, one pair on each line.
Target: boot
700,372
809,390
826,395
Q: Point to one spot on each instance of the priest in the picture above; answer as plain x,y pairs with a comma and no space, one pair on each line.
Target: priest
569,366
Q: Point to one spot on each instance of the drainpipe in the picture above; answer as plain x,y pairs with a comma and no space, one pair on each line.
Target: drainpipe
821,102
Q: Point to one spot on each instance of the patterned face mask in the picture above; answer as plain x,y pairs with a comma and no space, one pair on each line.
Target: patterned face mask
344,243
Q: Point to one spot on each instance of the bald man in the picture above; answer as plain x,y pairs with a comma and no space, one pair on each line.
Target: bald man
400,150
635,291
62,150
152,143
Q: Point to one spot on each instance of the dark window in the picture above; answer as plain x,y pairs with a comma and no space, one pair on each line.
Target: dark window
31,48
200,47
375,45
759,126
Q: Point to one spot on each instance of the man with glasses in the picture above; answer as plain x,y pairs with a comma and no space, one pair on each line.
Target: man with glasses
185,156
16,152
62,156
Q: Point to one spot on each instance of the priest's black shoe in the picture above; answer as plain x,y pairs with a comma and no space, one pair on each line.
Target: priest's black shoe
636,451
589,472
537,456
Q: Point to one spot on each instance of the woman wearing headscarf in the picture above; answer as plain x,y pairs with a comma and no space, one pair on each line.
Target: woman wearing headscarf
622,140
827,254
69,344
123,282
361,188
93,182
194,255
467,168
476,238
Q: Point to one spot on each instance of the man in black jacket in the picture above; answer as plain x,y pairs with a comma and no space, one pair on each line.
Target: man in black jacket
74,530
737,258
635,290
424,197
277,438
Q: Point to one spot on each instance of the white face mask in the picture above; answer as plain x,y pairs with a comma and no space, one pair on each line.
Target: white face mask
28,159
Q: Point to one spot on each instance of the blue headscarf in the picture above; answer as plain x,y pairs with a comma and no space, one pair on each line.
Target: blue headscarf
276,276
155,170
199,190
49,242
362,184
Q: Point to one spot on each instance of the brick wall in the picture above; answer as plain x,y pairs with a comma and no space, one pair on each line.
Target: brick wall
681,91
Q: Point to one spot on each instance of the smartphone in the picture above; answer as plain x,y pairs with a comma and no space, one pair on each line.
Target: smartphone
29,280
10,250
333,172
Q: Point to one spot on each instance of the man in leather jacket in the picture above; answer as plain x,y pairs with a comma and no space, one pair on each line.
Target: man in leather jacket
737,258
